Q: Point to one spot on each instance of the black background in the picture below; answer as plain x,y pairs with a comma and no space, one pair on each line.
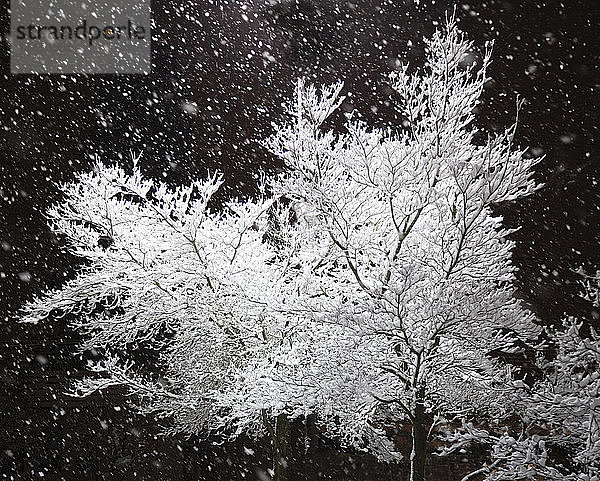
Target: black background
218,82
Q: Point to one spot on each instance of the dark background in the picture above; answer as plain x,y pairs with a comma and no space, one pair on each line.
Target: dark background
218,82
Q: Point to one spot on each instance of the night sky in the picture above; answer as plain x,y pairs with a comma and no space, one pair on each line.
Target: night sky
221,71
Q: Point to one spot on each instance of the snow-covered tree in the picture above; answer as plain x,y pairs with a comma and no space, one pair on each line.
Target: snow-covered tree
368,289
165,276
401,272
553,431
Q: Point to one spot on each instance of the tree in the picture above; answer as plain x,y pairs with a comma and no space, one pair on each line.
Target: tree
402,273
173,294
558,433
368,288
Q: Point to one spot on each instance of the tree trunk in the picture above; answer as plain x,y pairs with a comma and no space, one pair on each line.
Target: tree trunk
311,447
281,448
280,439
418,456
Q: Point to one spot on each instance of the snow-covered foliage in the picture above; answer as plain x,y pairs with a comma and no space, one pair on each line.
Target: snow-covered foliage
567,401
557,419
165,275
404,274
